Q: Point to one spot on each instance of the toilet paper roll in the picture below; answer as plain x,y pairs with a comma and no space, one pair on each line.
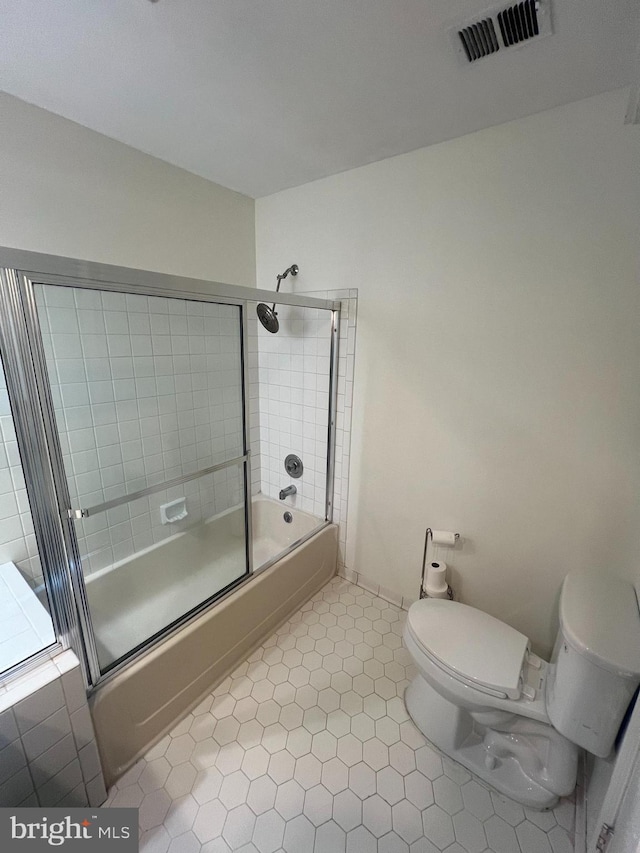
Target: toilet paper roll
436,586
443,537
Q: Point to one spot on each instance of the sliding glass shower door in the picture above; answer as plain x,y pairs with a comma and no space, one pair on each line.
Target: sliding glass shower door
147,395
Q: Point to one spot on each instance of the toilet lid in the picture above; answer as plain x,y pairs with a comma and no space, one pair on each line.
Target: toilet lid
470,644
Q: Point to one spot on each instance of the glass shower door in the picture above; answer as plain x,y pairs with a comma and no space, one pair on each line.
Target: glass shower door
147,393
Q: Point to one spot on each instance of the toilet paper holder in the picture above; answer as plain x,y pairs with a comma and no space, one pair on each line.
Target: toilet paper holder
442,537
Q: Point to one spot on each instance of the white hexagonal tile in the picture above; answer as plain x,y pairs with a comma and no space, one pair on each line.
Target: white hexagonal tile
226,731
360,840
390,785
180,749
349,750
285,693
324,745
229,758
262,690
501,837
375,706
447,795
353,666
187,843
330,838
338,723
262,794
245,709
318,805
307,698
410,735
289,799
268,712
299,742
299,835
255,762
320,679
223,706
234,789
180,780
351,703
532,839
508,810
347,810
332,663
291,716
559,840
238,827
376,816
437,826
281,766
154,775
153,809
208,823
181,815
274,738
206,785
156,840
205,754
335,775
429,763
375,753
418,790
469,832
477,800
268,832
250,734
308,771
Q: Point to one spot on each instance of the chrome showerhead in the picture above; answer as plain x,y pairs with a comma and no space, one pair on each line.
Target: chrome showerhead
268,316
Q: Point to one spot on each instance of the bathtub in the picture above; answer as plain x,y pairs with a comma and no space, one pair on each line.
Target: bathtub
138,704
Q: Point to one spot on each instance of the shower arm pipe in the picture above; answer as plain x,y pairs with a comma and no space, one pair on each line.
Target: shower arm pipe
293,269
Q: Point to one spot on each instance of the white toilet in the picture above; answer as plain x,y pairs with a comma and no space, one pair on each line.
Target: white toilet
513,719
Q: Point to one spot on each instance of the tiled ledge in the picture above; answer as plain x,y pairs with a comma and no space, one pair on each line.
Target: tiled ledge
48,752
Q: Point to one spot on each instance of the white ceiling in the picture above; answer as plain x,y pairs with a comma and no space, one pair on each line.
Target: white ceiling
260,95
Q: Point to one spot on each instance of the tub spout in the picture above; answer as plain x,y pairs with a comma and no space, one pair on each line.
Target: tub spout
289,490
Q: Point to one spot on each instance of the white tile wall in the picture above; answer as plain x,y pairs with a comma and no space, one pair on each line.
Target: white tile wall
145,389
289,390
48,752
17,540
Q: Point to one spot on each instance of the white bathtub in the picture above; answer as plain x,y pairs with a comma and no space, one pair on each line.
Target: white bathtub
136,598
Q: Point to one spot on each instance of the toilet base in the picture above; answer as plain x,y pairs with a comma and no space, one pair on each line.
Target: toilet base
523,759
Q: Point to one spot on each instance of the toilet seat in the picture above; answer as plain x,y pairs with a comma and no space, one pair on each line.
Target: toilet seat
471,646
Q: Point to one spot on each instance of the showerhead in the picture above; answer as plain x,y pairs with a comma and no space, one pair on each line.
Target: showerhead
268,316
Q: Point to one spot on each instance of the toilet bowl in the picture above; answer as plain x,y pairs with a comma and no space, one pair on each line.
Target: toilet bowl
510,717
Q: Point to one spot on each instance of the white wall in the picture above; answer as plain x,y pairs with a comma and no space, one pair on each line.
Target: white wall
70,191
496,387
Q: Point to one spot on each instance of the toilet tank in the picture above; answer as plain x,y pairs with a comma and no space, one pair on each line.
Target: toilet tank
595,666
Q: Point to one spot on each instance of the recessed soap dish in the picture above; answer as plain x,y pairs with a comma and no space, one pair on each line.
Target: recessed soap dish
173,511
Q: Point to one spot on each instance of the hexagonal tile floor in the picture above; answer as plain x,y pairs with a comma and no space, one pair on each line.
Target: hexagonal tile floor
307,748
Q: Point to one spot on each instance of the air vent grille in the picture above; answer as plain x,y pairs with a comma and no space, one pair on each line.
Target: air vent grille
479,39
519,22
504,28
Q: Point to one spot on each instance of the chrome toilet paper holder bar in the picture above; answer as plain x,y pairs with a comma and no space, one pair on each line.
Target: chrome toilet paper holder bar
429,535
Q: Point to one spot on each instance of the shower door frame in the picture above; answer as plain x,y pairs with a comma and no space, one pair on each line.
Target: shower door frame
38,438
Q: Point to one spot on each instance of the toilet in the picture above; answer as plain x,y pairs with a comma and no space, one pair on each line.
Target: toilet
513,719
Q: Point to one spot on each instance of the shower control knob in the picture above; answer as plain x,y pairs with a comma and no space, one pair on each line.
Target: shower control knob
293,466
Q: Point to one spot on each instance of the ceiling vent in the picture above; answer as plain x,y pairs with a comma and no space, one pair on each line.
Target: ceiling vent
503,28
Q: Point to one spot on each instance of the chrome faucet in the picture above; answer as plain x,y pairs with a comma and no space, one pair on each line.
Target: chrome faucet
289,490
